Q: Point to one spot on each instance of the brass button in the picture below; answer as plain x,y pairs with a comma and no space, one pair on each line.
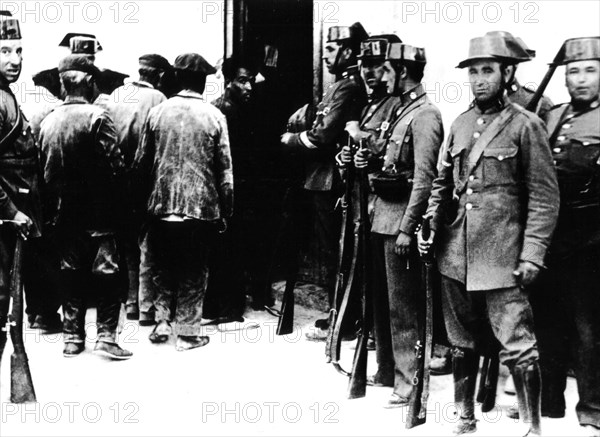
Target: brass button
476,135
566,126
500,158
561,138
471,178
468,207
480,121
469,191
557,150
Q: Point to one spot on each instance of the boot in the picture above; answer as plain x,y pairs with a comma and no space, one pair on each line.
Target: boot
528,384
465,365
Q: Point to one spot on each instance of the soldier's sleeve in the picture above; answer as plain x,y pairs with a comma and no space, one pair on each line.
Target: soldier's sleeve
442,189
224,168
106,143
7,208
428,135
346,106
542,186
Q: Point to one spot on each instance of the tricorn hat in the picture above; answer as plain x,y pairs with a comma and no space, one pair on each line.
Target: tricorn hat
9,27
406,52
581,49
376,47
81,43
499,46
355,34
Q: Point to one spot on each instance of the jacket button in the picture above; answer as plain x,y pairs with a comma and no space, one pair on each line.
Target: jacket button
561,138
468,207
471,178
476,135
557,150
469,191
566,126
500,158
480,121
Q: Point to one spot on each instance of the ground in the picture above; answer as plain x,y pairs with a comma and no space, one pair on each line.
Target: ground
243,383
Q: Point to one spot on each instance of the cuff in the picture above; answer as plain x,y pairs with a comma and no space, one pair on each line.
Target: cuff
305,141
534,253
408,225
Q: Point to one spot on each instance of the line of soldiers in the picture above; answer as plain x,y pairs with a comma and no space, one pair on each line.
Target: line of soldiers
512,199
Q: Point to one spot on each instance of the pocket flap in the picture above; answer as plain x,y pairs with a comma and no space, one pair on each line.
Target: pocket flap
501,153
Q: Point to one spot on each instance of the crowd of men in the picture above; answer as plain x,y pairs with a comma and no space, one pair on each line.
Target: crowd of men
513,199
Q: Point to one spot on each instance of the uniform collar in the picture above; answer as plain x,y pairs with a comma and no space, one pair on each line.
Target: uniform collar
69,100
190,94
589,107
498,105
349,71
413,94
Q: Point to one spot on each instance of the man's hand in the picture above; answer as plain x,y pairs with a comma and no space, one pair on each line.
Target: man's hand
346,155
23,224
361,158
403,244
425,245
526,273
285,138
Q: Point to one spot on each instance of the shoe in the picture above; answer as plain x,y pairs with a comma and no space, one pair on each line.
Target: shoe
236,324
317,334
513,412
161,332
133,311
380,381
147,318
553,414
322,324
111,350
185,342
440,365
73,349
396,401
465,426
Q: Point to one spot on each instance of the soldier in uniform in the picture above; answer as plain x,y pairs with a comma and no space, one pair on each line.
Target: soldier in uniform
404,171
566,303
494,207
82,165
184,155
130,105
19,164
317,146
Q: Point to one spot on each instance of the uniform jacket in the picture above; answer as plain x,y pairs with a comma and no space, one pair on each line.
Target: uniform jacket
19,164
185,150
502,212
416,134
82,167
343,102
575,143
130,105
522,95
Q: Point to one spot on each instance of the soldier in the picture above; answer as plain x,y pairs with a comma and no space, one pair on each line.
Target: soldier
185,157
493,208
342,103
81,164
130,105
566,303
405,169
19,164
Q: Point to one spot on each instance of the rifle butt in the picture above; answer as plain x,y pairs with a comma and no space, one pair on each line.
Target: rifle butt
357,386
491,384
485,367
21,387
329,354
285,325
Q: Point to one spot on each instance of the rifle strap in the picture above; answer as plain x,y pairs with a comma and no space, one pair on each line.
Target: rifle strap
15,131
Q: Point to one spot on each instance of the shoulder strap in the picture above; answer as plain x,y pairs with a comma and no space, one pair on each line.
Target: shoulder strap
16,129
561,121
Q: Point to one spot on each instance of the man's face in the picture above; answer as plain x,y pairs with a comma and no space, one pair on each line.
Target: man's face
486,79
241,86
389,77
583,80
11,59
330,56
373,72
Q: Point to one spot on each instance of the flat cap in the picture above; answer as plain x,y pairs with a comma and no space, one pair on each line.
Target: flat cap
194,63
78,62
154,61
9,27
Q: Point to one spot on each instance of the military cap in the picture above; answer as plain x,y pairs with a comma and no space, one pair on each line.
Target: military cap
78,62
9,27
376,47
406,52
581,49
82,43
499,46
515,45
154,61
355,33
194,63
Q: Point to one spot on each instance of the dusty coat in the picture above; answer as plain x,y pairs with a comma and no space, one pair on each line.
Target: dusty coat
507,209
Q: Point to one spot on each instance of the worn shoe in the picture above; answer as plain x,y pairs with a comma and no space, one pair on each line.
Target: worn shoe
161,332
465,426
133,311
441,365
396,401
513,412
147,318
380,381
317,334
112,351
185,342
73,349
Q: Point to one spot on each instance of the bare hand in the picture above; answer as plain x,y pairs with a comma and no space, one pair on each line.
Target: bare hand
425,245
23,224
403,243
285,138
346,155
361,158
526,273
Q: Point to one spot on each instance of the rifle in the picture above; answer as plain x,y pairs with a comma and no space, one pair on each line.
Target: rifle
21,389
358,378
417,406
532,105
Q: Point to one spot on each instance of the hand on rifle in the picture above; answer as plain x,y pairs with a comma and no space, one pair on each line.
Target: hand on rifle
403,243
345,156
361,158
425,245
22,224
526,273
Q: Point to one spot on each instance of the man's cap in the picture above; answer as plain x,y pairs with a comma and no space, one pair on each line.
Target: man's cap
405,52
581,49
514,44
355,33
498,46
78,62
81,43
376,47
193,63
154,61
9,26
